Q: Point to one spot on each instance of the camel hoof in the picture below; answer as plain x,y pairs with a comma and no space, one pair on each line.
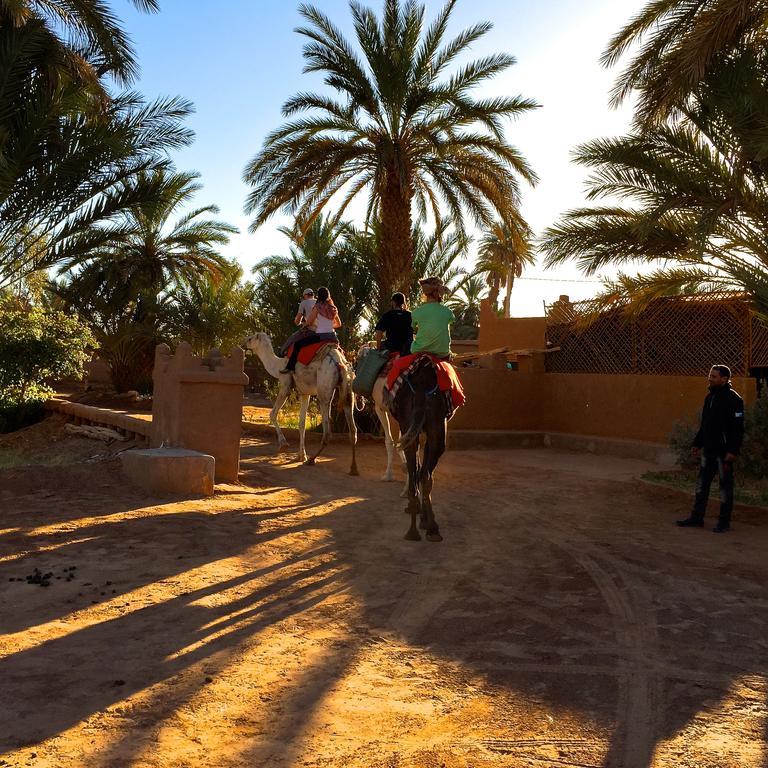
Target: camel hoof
302,459
353,472
403,494
282,447
412,535
434,537
387,478
310,462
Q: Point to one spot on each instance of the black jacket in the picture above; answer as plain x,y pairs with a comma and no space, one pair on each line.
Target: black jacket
722,422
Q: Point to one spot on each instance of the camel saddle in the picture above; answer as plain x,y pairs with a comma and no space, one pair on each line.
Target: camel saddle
310,353
448,381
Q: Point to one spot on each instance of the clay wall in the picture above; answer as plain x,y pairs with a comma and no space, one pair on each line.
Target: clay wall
498,399
512,332
629,407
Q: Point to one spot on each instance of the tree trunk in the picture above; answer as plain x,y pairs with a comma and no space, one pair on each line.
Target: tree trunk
395,257
508,293
493,295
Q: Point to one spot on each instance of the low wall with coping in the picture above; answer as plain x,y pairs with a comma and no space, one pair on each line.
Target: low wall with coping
87,414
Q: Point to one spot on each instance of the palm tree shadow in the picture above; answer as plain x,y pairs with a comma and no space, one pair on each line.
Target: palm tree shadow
487,599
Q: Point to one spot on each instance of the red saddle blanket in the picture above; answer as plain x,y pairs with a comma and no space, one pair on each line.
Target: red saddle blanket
308,354
447,379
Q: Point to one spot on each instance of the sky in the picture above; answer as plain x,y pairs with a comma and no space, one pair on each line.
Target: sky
238,61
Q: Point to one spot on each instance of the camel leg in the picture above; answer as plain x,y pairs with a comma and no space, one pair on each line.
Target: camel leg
388,441
413,508
349,412
303,407
325,410
404,462
433,450
282,396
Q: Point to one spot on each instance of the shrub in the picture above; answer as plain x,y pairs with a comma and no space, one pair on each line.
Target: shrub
753,460
35,347
681,440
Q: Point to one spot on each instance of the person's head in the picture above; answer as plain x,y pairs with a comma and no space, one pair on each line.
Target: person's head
398,301
323,294
433,288
719,375
309,293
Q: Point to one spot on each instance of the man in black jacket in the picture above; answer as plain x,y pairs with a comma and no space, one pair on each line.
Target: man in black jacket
717,444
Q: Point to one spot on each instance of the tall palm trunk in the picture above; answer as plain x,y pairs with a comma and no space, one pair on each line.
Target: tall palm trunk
395,257
508,292
493,294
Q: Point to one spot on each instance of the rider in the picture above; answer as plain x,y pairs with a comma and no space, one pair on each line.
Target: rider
397,326
324,318
432,320
305,308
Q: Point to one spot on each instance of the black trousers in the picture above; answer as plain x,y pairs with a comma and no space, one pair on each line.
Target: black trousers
305,342
710,467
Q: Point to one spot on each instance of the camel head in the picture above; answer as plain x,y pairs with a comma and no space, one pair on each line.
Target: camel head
258,342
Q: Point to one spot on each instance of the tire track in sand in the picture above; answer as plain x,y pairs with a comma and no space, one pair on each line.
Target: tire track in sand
636,633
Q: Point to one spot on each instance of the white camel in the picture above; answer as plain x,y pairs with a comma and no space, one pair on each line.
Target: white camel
386,424
321,379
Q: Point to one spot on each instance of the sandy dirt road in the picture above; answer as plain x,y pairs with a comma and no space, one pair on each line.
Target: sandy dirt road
563,621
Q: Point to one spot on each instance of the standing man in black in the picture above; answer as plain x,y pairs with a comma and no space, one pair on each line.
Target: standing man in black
716,445
394,331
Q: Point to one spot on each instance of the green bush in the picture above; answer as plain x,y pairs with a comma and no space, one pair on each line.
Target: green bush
753,460
36,347
680,441
18,415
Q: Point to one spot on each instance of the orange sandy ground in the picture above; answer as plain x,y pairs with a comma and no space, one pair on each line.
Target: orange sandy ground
564,621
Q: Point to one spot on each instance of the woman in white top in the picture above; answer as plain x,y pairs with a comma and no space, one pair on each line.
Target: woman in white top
324,318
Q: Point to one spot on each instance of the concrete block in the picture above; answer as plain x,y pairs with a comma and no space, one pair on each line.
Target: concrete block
170,471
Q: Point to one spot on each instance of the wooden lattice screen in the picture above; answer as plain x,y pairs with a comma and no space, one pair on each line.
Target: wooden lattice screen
673,336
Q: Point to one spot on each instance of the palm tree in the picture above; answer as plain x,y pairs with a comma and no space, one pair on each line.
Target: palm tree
505,250
209,312
676,44
465,304
68,148
123,288
81,39
697,198
437,253
149,252
400,129
64,178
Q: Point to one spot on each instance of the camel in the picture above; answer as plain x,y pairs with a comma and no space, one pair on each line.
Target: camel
418,408
321,379
384,417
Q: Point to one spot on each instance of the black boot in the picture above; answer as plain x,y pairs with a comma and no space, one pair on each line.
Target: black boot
691,522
